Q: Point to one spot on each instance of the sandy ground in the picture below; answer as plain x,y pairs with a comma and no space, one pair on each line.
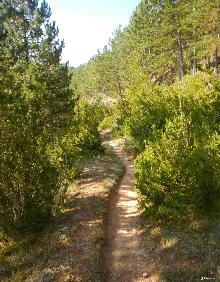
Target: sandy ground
125,256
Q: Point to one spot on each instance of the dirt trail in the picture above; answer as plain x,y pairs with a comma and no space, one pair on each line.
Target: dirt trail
125,258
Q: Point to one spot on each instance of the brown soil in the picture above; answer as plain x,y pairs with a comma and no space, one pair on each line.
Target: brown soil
70,249
125,256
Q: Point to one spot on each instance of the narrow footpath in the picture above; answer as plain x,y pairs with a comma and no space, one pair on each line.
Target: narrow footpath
125,258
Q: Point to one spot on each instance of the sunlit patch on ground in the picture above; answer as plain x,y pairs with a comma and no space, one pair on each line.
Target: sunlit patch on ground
70,249
168,243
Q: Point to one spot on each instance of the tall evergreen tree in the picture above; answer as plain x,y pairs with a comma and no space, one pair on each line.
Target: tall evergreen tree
31,46
35,107
165,39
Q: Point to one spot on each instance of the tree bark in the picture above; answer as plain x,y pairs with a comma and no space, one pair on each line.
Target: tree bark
216,61
194,70
121,89
180,56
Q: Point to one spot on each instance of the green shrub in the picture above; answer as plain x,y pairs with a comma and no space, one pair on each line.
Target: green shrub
82,140
31,185
144,110
36,105
107,123
179,170
35,169
173,178
42,139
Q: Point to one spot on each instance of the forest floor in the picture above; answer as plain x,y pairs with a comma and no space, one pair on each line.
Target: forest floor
102,235
70,249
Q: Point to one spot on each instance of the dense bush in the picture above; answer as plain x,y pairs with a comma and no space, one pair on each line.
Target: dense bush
82,140
179,169
43,133
37,164
144,110
31,185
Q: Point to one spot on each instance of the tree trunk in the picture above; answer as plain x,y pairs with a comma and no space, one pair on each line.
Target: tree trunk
194,70
216,57
180,56
216,70
120,88
26,47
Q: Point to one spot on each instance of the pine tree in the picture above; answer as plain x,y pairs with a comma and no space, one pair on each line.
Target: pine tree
164,40
33,50
209,21
36,108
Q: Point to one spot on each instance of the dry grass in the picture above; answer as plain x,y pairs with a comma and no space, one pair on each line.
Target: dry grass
185,253
70,248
